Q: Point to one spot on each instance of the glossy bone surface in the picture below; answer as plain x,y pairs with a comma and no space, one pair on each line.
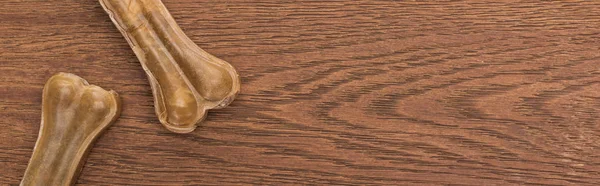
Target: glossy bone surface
186,81
74,114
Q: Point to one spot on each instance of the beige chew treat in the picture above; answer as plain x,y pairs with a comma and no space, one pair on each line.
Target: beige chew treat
74,114
186,80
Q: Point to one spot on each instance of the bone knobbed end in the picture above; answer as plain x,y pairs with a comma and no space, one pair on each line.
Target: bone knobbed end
74,114
186,81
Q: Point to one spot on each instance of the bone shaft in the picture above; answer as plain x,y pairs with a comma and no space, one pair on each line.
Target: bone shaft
50,165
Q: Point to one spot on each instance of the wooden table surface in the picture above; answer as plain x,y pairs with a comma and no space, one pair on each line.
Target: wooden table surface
335,92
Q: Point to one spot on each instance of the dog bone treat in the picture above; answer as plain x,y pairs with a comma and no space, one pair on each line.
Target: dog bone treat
74,114
186,81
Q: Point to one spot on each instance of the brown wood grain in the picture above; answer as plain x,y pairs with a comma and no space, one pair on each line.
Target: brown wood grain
335,92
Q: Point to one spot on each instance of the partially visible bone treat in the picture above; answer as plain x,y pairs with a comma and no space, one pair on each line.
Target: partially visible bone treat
186,81
74,114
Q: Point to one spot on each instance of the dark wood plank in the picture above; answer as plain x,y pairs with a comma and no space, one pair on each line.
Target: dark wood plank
334,92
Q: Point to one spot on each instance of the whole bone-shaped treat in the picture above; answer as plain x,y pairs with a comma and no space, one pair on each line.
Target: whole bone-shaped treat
186,81
74,114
